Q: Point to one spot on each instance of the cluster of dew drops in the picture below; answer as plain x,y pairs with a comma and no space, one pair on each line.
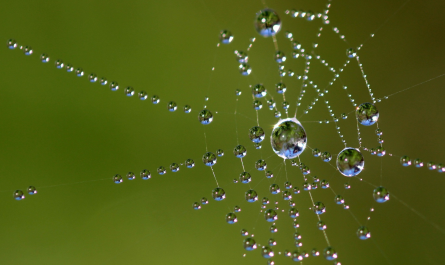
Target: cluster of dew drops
350,161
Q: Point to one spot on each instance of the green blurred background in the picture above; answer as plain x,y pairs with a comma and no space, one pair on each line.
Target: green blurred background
68,137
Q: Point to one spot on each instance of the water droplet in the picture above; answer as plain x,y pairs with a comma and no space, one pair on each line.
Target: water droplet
174,167
259,91
274,189
351,53
339,199
367,114
231,218
257,105
69,68
114,86
142,95
324,184
161,170
273,229
315,252
270,215
131,176
381,194
18,195
260,164
405,161
244,232
245,178
225,36
103,81
209,159
249,244
187,109
44,58
381,151
79,72
257,146
363,233
295,224
237,209
267,252
329,253
27,50
117,179
189,163
245,69
350,162
31,190
280,87
288,138
287,185
431,165
238,92
12,44
129,91
269,174
145,174
256,134
59,64
155,99
218,194
326,156
196,206
267,22
204,201
321,225
287,195
240,151
205,117
319,208
293,212
272,242
265,201
280,57
171,106
92,77
316,152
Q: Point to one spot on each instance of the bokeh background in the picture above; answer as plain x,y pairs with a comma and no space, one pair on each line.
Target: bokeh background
68,137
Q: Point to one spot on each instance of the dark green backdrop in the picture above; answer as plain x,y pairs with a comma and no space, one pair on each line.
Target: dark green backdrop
68,137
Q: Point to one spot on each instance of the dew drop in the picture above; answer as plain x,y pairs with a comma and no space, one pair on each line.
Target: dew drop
225,36
350,162
161,170
129,91
18,195
189,163
267,22
405,161
245,69
245,178
267,252
270,215
319,208
12,44
31,190
259,91
117,179
187,109
174,167
171,106
351,53
205,117
329,253
367,114
231,218
155,99
145,174
381,194
44,58
260,165
256,134
363,233
240,151
218,194
196,206
114,86
131,176
288,138
326,156
249,244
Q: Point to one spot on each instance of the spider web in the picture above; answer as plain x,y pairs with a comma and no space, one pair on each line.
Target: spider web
68,137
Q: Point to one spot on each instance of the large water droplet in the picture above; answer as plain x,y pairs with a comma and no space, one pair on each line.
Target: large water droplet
218,194
205,116
267,22
249,244
259,91
350,162
251,196
288,138
367,114
270,215
209,159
